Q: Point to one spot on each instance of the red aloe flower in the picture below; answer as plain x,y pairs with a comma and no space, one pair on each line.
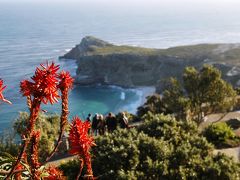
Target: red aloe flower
66,81
44,85
54,174
2,88
81,142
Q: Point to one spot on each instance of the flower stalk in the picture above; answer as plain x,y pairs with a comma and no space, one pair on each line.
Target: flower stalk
34,155
65,84
33,116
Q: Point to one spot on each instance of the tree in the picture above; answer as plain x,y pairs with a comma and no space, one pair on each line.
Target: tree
174,99
154,104
207,91
202,92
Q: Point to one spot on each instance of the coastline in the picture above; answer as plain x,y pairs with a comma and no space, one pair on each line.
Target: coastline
146,91
142,93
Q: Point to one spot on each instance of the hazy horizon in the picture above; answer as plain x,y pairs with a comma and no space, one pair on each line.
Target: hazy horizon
134,2
197,6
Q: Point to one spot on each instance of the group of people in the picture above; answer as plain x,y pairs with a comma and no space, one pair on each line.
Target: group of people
101,124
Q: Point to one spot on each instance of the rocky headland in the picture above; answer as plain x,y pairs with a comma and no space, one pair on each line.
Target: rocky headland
100,62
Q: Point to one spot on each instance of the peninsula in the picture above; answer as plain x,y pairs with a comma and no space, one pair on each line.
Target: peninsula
100,62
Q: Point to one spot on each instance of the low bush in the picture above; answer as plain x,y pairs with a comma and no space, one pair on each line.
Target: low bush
161,148
70,169
221,135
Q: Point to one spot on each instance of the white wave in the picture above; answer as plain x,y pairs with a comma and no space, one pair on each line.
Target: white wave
142,93
233,72
67,50
123,96
115,87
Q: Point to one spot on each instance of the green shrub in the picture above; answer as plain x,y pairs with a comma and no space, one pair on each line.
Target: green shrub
166,126
8,142
161,148
48,126
122,145
10,147
70,169
221,135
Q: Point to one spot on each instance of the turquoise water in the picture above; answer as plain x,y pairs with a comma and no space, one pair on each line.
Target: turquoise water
82,100
33,33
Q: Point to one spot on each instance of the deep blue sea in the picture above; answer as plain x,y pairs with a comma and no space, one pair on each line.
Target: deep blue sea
31,33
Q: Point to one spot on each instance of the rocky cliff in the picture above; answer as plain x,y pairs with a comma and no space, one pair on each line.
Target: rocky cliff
100,62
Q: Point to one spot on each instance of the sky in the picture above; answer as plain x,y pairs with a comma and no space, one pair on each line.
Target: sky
228,4
216,2
190,6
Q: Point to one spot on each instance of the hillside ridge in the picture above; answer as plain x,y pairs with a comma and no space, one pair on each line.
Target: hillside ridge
101,62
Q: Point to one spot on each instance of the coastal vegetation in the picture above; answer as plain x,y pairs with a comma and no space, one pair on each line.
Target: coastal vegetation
164,141
221,135
111,49
213,52
94,46
161,148
201,93
48,125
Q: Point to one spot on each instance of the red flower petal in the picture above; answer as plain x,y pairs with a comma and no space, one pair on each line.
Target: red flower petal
54,174
43,85
66,81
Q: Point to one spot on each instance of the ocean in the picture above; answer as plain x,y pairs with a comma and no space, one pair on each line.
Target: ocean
32,33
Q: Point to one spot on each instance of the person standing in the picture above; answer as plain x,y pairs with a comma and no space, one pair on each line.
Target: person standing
123,120
94,124
101,125
89,120
111,122
89,117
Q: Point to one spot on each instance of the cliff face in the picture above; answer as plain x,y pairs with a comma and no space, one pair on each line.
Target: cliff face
100,62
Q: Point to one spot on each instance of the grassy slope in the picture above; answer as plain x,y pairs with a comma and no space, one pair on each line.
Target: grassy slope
210,51
112,49
181,51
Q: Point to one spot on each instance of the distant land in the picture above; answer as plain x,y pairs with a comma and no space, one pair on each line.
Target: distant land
100,62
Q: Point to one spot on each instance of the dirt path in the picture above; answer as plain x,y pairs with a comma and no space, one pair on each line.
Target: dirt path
61,160
232,152
212,118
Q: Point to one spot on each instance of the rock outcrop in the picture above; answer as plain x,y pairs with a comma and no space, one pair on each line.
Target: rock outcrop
100,62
